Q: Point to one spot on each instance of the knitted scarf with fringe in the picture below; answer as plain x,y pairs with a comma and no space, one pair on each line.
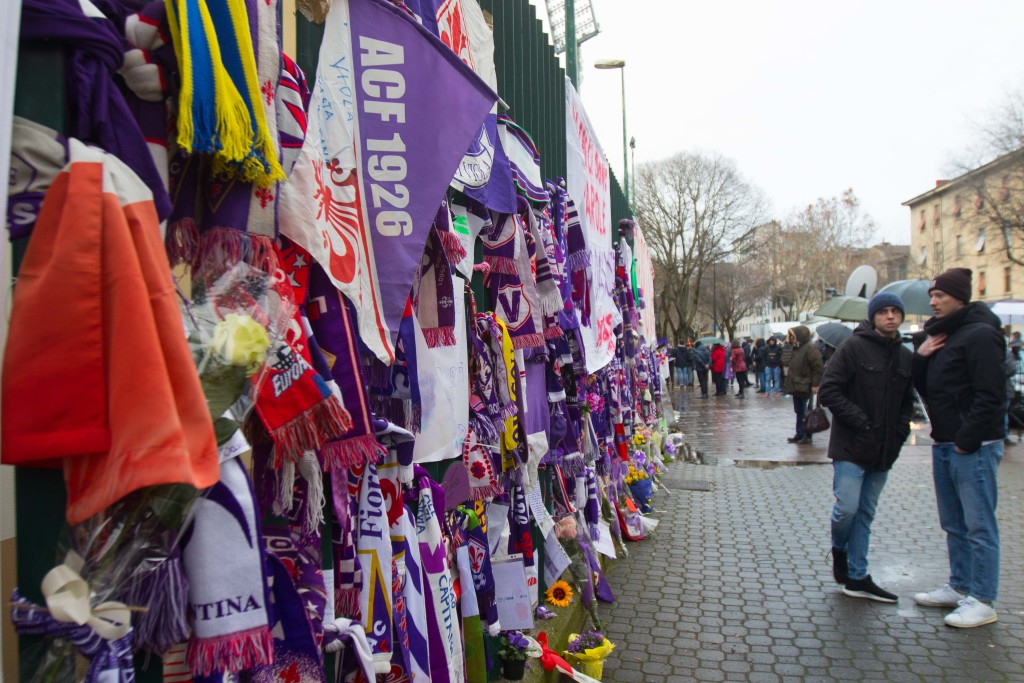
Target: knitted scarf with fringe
333,320
295,405
219,104
434,293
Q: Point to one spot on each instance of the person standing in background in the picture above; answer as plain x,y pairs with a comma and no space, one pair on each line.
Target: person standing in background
718,369
738,357
802,378
701,366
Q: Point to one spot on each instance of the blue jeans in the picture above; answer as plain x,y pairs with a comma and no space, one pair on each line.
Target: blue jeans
687,375
761,386
679,375
966,491
800,406
773,379
856,491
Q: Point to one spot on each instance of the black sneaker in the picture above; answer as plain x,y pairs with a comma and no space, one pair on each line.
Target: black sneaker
839,566
805,441
793,439
866,588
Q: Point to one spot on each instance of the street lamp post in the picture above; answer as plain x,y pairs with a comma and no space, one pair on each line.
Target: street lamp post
621,65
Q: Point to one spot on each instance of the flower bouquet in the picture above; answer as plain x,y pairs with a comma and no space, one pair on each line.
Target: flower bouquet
512,650
587,652
641,486
559,594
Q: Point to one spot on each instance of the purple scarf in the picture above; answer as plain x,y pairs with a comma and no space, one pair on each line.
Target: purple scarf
333,321
97,110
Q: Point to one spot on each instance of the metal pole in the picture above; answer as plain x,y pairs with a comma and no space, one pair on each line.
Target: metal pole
625,142
572,68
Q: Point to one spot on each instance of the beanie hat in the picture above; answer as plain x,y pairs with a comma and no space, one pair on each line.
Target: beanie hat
956,282
884,300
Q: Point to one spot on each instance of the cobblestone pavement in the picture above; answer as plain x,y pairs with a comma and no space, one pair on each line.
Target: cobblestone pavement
736,585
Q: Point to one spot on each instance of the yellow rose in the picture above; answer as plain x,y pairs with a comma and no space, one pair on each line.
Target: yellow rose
240,340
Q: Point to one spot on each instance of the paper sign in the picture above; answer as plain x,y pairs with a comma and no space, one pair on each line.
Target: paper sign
329,591
511,596
555,559
539,512
497,520
603,541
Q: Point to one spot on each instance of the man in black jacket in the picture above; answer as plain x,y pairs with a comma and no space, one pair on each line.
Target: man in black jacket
867,387
958,370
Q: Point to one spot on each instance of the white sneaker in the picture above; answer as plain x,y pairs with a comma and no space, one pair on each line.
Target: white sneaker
971,613
947,596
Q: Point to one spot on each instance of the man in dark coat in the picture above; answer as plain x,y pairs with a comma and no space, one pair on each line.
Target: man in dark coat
867,387
701,365
773,367
958,370
803,375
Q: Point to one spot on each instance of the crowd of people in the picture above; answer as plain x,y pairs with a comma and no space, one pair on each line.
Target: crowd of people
970,379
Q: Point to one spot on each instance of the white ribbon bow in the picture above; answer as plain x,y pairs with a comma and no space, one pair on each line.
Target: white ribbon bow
67,596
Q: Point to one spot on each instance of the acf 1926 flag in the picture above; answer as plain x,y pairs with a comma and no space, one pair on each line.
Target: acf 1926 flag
392,113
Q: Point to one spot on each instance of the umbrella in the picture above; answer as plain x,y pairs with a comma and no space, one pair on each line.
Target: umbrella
708,341
1010,311
852,308
834,334
914,294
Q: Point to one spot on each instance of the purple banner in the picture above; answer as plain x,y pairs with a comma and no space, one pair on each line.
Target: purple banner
419,108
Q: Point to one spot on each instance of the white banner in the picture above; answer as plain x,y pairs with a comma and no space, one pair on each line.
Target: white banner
587,182
645,280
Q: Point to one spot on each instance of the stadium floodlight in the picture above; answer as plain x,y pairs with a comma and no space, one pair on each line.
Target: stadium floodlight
586,24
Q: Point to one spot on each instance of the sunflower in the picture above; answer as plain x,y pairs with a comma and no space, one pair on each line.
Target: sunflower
559,594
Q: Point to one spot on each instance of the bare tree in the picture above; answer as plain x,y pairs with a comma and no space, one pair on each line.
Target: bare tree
736,291
814,251
691,206
993,174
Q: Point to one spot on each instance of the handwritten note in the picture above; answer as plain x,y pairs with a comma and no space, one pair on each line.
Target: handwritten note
555,559
540,513
603,542
512,596
497,520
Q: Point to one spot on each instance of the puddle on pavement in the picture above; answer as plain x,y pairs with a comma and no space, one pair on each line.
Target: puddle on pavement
701,458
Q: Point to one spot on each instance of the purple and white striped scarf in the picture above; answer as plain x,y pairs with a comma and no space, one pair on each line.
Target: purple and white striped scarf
434,292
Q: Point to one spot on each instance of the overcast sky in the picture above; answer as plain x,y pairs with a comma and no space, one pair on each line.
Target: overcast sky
808,98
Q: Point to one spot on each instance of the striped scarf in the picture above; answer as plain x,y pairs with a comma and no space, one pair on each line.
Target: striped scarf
219,104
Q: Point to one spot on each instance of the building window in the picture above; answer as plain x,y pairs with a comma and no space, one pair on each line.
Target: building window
1007,279
959,246
936,213
957,206
980,244
921,223
923,256
937,254
981,283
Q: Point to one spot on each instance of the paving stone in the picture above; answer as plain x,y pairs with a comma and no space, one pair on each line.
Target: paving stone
736,586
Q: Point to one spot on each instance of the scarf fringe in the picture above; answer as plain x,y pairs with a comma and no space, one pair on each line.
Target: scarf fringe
486,491
309,468
164,590
505,265
222,248
347,602
394,410
285,498
328,419
578,261
553,331
439,336
508,411
528,341
573,465
352,452
551,302
453,247
182,242
376,374
231,652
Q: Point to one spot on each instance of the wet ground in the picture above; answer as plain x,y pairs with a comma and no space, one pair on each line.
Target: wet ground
736,585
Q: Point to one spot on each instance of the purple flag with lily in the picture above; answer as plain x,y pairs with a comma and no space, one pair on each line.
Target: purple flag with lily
393,113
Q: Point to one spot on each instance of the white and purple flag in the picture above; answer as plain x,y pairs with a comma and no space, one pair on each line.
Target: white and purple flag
392,114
